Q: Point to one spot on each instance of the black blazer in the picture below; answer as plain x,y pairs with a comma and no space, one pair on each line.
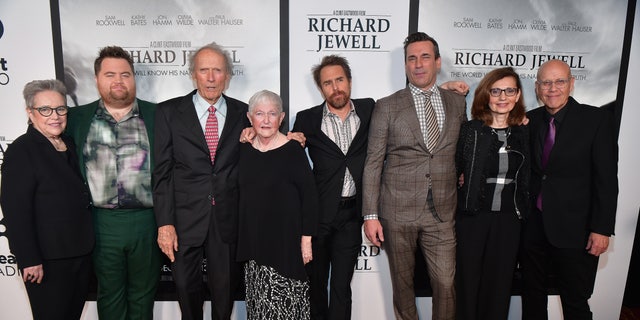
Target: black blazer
329,163
184,179
580,184
476,147
45,202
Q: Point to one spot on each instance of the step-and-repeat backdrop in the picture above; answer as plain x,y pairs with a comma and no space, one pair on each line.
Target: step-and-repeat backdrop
274,45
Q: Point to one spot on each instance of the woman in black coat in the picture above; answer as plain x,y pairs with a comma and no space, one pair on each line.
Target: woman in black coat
492,159
46,207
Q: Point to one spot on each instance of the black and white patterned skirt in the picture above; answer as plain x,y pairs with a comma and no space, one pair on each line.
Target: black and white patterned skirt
272,296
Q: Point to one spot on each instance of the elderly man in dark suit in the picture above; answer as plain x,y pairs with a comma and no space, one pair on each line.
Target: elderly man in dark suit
575,188
336,133
195,184
410,179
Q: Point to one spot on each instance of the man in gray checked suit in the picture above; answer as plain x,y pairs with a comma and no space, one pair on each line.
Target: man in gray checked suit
409,180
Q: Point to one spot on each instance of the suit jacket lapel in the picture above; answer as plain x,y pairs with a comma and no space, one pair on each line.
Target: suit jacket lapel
448,117
362,132
73,162
188,116
567,127
316,123
234,114
228,144
407,112
148,116
83,123
537,125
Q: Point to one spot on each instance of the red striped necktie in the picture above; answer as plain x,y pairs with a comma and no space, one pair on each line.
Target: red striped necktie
211,136
211,133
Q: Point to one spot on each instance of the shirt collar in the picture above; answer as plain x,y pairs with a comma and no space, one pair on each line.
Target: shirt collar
202,106
326,111
558,116
417,91
102,113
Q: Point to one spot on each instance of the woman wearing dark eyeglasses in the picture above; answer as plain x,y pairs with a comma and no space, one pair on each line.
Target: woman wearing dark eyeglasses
46,207
492,161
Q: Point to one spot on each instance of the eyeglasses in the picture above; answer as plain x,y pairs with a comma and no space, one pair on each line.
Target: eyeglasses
559,83
271,115
47,111
509,92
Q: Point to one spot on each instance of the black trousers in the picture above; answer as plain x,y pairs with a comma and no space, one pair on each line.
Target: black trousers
335,247
486,255
223,276
63,290
574,269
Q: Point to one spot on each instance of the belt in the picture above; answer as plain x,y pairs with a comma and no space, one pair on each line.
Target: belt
347,202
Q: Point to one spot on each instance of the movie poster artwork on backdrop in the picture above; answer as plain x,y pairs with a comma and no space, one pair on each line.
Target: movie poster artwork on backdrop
368,33
477,37
160,38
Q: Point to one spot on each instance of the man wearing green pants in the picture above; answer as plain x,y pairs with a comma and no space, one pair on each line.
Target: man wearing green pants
114,137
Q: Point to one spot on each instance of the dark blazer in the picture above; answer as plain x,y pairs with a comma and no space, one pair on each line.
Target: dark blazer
477,146
329,163
580,184
184,179
80,118
45,202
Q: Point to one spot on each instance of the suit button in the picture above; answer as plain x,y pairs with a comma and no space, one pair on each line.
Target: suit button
544,177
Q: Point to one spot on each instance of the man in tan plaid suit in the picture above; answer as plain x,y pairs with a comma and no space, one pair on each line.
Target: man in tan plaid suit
410,184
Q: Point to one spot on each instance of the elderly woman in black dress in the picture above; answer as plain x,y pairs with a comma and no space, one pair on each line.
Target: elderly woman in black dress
46,207
278,215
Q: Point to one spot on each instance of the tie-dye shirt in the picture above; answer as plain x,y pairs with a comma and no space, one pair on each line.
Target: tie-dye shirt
117,159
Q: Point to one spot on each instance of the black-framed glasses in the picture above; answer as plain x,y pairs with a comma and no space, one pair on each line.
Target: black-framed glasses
509,92
47,111
559,83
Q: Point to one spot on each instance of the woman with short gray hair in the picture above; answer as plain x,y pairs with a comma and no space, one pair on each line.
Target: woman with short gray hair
278,216
46,207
